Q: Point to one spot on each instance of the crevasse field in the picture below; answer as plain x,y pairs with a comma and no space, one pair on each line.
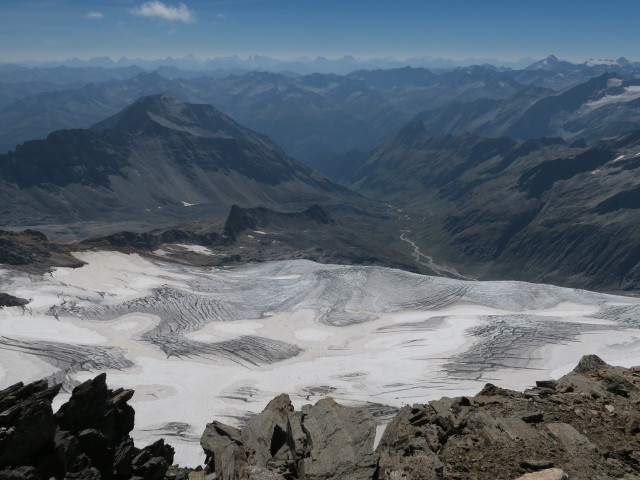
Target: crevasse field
200,344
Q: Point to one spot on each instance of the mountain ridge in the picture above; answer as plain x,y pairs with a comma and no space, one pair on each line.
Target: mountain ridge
540,209
161,153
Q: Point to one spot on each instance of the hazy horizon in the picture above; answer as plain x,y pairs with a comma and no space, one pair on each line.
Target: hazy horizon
459,30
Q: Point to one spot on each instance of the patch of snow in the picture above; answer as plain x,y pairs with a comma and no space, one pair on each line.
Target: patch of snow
592,62
195,248
312,335
614,82
239,328
15,323
630,93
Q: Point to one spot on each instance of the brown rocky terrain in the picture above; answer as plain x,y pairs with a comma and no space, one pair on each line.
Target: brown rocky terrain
246,235
586,425
33,251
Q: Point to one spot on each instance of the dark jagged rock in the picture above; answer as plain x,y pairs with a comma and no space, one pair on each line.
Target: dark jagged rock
27,425
150,241
153,461
238,220
20,473
265,435
93,406
242,219
7,300
88,439
317,213
215,440
589,364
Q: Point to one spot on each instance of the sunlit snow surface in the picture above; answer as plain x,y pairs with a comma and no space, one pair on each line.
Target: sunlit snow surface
201,344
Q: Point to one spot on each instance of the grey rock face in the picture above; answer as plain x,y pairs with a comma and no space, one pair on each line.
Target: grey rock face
340,442
570,438
323,441
216,439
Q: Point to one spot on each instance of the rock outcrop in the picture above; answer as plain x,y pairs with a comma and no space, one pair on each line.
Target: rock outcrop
34,252
321,442
7,300
586,425
88,438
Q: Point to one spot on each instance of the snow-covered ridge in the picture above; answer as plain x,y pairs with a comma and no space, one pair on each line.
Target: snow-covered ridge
628,94
198,344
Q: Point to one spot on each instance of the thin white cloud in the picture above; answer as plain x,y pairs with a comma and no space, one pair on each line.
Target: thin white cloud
158,9
94,15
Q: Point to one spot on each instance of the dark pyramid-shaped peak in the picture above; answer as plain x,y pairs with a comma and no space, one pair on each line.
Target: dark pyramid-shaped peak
411,133
551,63
152,79
164,113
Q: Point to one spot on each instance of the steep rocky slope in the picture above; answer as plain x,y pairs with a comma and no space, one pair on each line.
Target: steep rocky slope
604,106
158,162
540,210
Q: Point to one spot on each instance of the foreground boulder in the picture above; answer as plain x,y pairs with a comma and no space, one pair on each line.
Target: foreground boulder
87,439
321,442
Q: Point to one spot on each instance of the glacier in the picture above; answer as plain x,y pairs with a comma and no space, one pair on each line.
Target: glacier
198,344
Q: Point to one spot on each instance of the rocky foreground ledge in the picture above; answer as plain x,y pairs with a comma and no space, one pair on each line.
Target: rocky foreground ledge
585,425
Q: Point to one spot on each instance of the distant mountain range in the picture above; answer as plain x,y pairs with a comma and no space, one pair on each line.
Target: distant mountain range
316,117
62,75
310,116
222,66
307,65
500,173
603,106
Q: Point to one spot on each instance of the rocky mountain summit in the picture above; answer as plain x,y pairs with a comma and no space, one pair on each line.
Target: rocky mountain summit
158,162
585,425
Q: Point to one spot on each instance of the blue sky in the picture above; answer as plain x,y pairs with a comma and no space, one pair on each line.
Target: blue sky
507,30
